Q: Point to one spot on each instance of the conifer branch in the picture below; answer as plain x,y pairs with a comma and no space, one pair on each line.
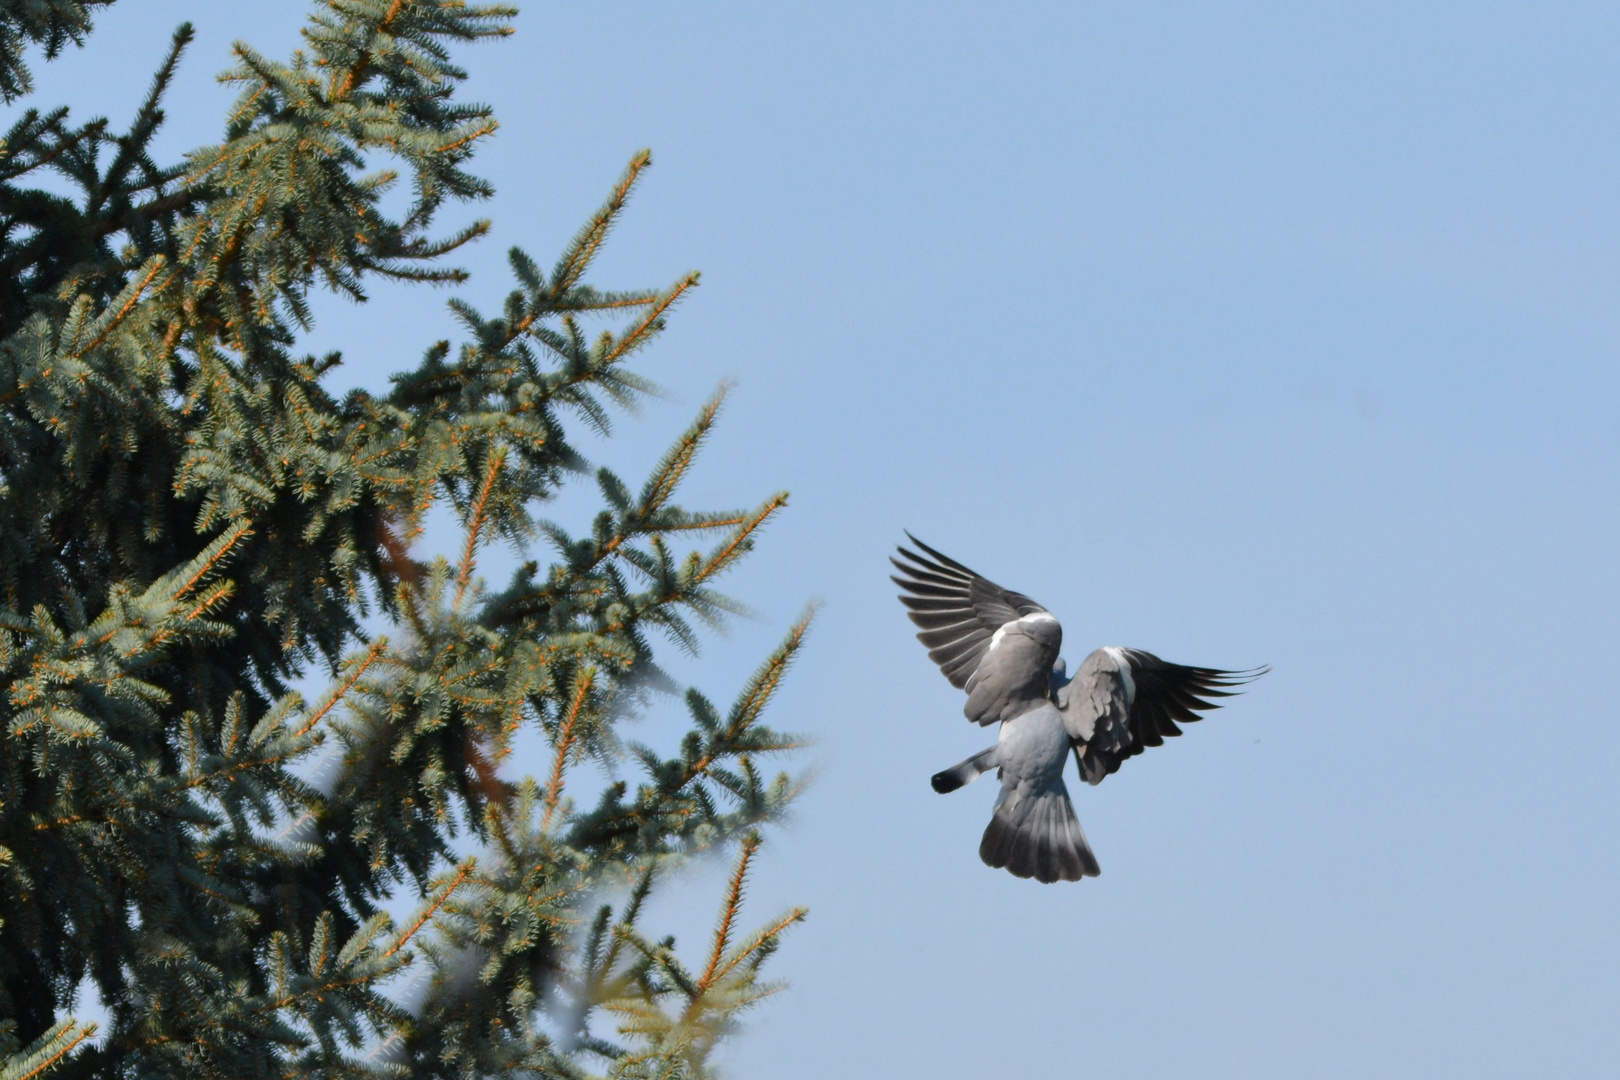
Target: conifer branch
131,297
357,71
476,524
678,459
762,687
613,349
728,910
582,250
216,595
211,557
761,939
739,542
583,683
432,909
48,1052
337,694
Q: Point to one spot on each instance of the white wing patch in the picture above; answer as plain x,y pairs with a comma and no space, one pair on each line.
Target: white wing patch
1032,617
1117,655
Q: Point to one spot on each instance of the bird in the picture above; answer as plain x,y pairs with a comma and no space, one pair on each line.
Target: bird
1002,648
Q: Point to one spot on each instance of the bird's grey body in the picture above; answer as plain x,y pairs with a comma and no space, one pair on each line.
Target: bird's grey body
1002,648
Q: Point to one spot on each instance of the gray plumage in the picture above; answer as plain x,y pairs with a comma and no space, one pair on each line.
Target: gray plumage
1002,648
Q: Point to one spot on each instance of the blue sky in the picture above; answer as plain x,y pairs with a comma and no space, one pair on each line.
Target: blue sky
1245,333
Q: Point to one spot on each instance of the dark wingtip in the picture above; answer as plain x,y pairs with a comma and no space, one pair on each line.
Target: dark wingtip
905,569
940,555
1239,678
944,782
910,554
935,553
1227,677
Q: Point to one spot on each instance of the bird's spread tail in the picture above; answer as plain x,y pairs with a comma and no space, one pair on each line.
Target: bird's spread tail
1034,833
947,780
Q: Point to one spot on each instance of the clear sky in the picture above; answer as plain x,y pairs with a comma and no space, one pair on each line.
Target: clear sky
1245,333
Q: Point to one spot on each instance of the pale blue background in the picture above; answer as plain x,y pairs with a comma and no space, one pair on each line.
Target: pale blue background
1243,332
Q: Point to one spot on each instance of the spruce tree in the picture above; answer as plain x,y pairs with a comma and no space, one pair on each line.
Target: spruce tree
195,523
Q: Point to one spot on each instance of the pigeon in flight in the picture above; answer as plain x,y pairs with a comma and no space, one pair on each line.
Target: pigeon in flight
1002,648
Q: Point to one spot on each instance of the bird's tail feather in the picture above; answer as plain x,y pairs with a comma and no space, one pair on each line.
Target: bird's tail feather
1034,833
947,780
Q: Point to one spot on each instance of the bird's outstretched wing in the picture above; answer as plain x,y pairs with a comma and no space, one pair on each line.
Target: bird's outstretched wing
1123,701
996,644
